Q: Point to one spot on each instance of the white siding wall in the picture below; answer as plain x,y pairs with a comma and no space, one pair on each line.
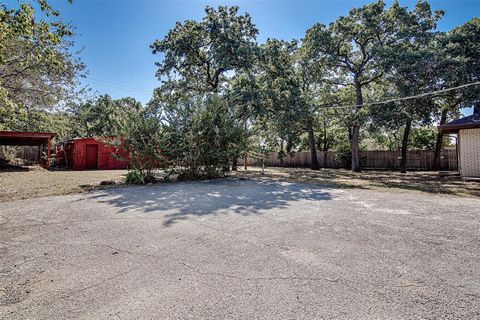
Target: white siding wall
469,140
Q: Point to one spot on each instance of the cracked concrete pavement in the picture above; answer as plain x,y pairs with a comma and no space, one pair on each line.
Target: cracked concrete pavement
240,249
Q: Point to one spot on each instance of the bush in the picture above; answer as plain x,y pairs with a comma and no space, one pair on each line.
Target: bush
136,176
193,137
343,155
202,137
139,140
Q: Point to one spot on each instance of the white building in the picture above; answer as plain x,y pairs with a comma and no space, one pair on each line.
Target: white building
468,140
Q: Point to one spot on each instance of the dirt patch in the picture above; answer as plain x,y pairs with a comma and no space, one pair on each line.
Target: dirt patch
430,182
37,182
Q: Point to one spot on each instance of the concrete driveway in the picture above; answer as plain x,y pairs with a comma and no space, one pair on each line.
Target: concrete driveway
240,249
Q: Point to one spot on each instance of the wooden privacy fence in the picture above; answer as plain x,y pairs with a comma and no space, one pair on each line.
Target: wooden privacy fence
21,155
381,160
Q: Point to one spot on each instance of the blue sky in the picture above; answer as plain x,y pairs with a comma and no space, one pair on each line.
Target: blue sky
116,34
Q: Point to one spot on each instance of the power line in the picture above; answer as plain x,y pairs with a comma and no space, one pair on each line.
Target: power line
421,95
118,87
115,85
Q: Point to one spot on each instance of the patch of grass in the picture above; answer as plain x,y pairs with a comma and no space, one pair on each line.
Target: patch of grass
38,182
430,182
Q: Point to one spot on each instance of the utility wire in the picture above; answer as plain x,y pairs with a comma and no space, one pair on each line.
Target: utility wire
115,85
421,95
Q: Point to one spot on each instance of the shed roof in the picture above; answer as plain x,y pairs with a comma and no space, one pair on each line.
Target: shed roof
469,122
22,138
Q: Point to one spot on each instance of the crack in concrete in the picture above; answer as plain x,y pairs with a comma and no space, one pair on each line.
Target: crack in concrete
118,274
145,255
226,275
31,225
105,280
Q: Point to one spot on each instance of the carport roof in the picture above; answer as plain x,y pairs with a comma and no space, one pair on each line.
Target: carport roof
16,138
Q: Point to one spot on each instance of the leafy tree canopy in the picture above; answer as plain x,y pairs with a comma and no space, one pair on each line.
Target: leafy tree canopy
199,54
100,116
37,68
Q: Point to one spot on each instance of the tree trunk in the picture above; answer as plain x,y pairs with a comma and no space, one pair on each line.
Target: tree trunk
280,153
313,150
325,145
439,142
406,134
245,157
235,164
476,108
356,127
355,148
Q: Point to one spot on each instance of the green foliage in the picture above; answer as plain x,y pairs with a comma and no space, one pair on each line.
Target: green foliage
198,54
100,116
223,96
343,155
463,45
351,44
350,48
138,135
136,176
279,88
409,62
458,53
202,57
37,67
202,136
423,138
380,138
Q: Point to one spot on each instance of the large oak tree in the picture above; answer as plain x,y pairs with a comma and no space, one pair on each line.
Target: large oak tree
199,55
350,48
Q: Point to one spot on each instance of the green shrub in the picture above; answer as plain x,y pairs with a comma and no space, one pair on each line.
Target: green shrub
136,176
343,155
202,136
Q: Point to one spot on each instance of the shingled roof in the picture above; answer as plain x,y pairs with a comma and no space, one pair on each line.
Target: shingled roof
469,122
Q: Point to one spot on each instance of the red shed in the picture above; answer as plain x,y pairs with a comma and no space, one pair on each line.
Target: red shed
91,154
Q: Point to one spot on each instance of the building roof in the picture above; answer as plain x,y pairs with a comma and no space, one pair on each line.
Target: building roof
16,138
469,122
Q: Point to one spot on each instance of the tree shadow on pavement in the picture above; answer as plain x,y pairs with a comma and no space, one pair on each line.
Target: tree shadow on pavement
179,201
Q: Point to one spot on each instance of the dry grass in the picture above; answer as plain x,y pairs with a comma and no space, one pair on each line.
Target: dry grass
380,180
35,182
